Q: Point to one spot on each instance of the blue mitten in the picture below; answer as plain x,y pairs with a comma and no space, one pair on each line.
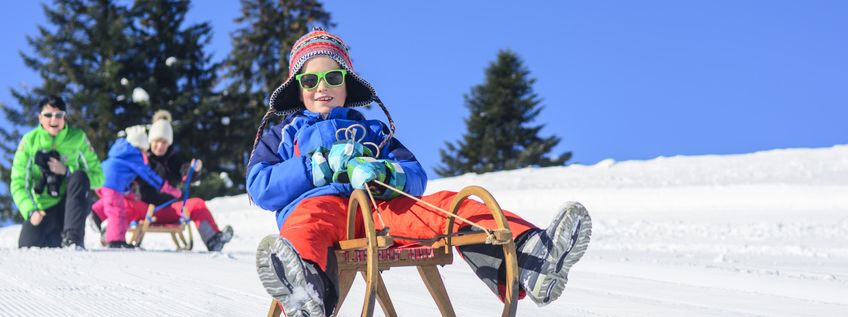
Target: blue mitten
321,172
361,170
343,152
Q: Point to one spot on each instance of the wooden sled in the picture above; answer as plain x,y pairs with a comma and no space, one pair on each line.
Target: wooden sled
180,232
375,253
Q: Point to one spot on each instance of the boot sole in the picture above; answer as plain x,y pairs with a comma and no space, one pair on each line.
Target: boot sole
301,304
228,234
575,231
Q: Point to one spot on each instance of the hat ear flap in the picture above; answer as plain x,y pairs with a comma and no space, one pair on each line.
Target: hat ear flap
357,93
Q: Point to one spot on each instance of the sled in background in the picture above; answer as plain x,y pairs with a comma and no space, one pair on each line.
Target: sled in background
376,252
181,232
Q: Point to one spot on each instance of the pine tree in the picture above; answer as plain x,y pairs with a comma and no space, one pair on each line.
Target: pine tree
80,56
498,136
178,76
114,64
7,150
258,64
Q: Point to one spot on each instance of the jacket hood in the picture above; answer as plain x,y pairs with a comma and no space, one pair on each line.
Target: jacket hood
124,150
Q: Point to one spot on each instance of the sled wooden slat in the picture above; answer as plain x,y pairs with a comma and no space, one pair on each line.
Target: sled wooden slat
466,239
358,244
373,254
394,257
436,287
164,228
275,310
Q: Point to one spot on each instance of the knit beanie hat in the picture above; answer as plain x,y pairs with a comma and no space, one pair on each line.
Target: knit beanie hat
161,128
286,98
137,137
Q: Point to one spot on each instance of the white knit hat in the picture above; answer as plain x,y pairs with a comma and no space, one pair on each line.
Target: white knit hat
161,128
137,137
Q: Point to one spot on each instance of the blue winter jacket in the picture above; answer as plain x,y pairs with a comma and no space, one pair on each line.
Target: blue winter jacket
280,173
124,164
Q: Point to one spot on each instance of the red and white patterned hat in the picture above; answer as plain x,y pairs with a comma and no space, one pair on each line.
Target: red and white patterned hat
285,99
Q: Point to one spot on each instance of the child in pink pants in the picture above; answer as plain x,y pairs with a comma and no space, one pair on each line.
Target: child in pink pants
126,162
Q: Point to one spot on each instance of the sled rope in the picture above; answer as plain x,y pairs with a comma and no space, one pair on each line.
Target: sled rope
379,214
448,213
419,240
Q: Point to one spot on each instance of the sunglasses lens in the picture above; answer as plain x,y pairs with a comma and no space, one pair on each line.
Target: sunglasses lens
309,81
50,115
334,78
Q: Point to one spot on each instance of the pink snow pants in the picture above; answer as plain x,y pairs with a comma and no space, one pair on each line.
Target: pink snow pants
122,209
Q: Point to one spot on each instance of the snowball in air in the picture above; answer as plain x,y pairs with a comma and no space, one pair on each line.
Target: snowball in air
226,178
140,95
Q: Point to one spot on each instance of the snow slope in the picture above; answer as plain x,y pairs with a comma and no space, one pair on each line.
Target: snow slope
761,234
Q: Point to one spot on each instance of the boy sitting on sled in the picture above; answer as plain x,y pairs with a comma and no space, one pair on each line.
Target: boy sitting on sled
306,167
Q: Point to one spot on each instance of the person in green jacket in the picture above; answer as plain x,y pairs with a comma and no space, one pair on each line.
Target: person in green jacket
52,174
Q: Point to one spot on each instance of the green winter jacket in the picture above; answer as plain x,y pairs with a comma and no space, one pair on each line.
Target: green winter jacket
76,153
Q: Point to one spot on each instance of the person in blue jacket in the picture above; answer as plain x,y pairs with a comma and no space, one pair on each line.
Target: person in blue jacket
126,161
306,167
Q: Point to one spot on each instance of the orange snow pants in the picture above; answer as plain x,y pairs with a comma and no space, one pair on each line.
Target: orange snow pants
318,222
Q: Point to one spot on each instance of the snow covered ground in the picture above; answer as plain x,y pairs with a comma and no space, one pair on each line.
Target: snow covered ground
761,234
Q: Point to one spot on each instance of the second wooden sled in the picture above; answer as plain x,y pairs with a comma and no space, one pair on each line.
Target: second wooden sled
181,233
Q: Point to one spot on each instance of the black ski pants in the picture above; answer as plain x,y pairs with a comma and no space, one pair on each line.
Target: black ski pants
65,220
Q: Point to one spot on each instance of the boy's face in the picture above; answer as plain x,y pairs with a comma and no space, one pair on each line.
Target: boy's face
323,98
55,122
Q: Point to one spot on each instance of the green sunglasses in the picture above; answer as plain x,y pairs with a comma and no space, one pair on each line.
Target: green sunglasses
333,78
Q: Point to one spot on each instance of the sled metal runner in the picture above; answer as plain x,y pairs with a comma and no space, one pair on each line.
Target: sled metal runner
181,233
376,252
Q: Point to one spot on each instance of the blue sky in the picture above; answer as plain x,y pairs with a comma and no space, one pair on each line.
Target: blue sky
618,79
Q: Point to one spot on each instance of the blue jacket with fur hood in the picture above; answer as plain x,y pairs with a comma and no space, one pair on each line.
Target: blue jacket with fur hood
280,171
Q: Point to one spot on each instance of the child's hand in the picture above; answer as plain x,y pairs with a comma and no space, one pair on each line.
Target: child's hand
321,172
343,152
198,166
361,170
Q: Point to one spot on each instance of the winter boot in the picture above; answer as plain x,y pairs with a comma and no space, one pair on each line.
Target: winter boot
545,256
95,222
70,240
216,242
120,245
295,283
103,235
